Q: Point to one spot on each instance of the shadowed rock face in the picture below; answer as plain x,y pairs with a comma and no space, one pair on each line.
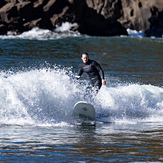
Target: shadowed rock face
93,17
142,15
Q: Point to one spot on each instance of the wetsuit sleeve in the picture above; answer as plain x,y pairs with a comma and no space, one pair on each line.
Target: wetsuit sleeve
98,67
80,72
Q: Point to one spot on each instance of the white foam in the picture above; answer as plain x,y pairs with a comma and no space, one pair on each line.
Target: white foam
44,34
37,95
134,33
46,96
65,27
132,103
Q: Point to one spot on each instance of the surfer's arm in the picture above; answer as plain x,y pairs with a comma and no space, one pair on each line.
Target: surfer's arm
77,77
80,72
98,67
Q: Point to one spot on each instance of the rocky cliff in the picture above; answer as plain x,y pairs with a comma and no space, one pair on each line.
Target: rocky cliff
92,17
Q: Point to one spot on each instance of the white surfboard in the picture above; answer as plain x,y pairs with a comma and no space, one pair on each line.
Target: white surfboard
84,111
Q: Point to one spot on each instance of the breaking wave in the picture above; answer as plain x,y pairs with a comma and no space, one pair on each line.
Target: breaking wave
46,96
60,32
45,34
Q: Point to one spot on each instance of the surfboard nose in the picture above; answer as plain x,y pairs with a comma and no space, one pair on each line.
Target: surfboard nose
84,110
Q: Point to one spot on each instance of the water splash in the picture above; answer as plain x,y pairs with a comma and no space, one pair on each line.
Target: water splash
46,96
131,103
134,33
65,27
41,95
44,34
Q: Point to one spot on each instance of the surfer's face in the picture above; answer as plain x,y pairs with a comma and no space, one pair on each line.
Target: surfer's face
85,58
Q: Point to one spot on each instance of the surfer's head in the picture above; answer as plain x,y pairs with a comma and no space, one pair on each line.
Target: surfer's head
85,57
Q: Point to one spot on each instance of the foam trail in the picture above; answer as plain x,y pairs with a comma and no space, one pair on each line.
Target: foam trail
46,96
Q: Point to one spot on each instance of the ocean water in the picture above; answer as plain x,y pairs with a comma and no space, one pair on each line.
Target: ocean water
38,91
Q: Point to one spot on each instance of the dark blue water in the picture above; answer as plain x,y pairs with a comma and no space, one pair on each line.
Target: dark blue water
38,92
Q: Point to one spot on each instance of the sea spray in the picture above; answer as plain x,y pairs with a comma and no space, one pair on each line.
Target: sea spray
62,31
46,96
132,102
44,34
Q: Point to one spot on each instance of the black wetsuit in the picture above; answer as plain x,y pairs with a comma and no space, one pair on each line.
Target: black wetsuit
92,68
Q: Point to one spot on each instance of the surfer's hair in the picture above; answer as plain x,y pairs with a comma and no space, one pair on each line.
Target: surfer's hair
85,53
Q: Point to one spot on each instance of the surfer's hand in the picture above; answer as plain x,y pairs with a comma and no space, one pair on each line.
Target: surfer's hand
103,82
77,77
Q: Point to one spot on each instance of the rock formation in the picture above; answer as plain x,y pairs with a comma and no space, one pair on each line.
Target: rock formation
93,17
142,15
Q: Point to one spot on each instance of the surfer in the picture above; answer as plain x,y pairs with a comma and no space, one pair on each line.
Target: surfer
94,71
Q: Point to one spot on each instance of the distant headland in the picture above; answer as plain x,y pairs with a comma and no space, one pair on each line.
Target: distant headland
91,17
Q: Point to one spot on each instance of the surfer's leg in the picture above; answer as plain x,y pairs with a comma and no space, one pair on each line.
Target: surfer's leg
97,86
